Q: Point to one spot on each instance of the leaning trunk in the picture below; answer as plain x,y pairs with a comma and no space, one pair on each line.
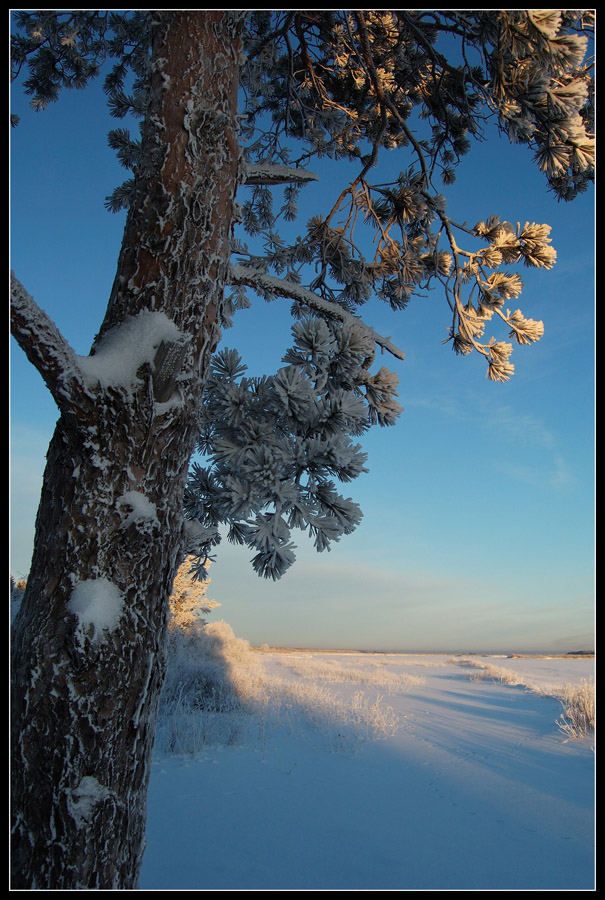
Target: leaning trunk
89,641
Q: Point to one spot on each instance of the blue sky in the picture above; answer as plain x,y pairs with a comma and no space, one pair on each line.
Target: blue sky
478,529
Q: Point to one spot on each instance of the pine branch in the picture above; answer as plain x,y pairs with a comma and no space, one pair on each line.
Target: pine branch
240,275
273,175
45,347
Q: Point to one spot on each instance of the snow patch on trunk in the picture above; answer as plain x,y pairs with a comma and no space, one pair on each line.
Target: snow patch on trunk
88,794
124,349
142,510
96,602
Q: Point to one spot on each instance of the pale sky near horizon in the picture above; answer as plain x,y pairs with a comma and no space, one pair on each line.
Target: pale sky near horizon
478,529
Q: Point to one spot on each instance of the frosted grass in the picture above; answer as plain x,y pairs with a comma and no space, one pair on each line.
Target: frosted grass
375,674
218,693
578,717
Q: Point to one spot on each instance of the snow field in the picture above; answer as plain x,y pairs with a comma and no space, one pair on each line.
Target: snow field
369,772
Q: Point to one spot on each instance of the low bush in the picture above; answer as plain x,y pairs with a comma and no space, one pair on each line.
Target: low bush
578,716
211,676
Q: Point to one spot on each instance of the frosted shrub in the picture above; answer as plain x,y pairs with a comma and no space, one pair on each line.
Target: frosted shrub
220,642
241,666
374,717
578,716
469,663
211,678
194,674
494,673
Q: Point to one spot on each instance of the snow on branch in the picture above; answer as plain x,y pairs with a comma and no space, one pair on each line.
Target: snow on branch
273,175
44,345
253,278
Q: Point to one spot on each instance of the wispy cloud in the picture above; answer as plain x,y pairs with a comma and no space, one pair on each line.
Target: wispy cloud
554,473
517,427
472,407
562,476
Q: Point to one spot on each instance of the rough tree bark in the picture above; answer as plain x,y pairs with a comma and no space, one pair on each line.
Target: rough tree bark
88,649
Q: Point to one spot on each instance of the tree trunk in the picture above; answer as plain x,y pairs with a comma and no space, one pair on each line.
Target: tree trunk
89,641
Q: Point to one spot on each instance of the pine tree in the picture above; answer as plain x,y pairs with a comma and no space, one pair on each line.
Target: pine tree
188,601
118,511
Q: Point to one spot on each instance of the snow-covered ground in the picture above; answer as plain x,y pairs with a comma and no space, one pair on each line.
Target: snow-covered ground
381,772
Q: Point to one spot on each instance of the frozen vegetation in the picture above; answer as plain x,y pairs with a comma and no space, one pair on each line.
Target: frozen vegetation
578,717
296,770
219,692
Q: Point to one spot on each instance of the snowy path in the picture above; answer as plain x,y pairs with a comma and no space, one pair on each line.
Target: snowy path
476,790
